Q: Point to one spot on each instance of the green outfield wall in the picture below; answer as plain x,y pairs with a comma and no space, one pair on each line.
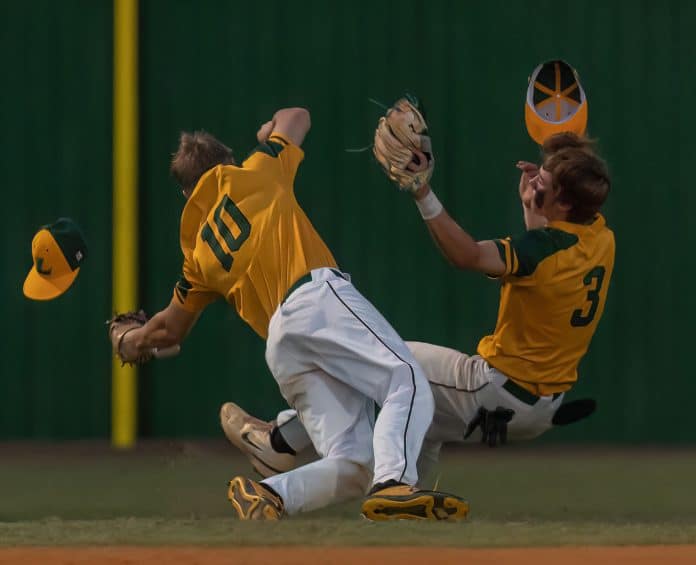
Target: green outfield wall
55,158
225,67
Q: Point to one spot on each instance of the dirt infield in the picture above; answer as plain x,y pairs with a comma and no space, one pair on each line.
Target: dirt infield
298,555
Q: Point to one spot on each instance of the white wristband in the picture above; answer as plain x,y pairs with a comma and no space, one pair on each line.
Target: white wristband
429,206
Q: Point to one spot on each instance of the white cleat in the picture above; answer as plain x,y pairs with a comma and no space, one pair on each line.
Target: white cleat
253,438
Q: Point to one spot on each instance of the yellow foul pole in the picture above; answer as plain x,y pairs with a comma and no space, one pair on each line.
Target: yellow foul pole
125,209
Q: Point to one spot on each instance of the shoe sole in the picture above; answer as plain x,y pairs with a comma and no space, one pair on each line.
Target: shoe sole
431,506
246,501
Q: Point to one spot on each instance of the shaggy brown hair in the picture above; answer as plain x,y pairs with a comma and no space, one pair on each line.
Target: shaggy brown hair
580,177
563,140
198,152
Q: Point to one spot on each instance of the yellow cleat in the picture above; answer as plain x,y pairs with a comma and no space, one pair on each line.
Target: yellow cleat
403,502
253,501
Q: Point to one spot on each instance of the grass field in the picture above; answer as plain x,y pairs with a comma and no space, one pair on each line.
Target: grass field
175,493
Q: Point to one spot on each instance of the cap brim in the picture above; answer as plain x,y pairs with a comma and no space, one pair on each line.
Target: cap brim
37,287
540,130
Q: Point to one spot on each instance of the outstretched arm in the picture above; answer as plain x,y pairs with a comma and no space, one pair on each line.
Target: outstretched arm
458,247
165,329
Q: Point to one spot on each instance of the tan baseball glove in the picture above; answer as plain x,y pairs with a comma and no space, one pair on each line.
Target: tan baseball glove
119,326
401,131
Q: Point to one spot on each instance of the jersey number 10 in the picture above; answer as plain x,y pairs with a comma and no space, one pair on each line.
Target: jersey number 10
232,243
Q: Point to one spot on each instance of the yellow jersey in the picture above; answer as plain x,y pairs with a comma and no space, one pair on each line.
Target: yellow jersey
553,293
244,236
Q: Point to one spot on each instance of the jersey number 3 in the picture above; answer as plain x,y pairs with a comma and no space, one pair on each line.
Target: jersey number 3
232,243
595,276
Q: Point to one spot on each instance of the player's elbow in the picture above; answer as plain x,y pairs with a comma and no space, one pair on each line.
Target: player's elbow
297,116
302,114
293,123
302,118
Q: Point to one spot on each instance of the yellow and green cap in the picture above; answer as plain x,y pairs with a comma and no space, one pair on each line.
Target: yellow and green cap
555,102
58,250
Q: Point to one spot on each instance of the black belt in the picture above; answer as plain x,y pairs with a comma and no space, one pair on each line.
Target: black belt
297,284
522,394
305,279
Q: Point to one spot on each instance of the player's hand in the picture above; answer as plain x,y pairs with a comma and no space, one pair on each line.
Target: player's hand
493,424
121,330
526,190
419,162
532,169
264,131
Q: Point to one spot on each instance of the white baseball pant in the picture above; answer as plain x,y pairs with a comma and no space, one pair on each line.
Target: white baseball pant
334,356
461,384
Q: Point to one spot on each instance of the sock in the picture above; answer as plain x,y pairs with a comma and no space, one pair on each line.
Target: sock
279,444
386,484
271,490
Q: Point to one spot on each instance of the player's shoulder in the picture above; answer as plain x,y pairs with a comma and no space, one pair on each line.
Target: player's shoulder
544,241
534,246
604,239
270,151
235,180
602,226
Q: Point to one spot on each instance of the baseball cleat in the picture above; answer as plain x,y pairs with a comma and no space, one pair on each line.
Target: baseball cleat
254,501
403,502
253,438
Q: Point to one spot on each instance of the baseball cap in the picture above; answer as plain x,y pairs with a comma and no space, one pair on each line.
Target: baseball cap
58,249
555,101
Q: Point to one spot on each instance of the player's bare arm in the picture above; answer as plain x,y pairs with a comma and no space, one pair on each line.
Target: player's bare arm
292,123
458,247
165,329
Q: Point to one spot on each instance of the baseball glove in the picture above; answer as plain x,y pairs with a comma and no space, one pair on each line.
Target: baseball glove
119,326
401,131
493,424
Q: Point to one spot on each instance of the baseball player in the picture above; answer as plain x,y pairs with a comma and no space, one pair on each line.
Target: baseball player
245,238
554,285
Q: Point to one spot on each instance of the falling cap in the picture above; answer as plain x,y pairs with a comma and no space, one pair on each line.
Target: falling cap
58,249
555,101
